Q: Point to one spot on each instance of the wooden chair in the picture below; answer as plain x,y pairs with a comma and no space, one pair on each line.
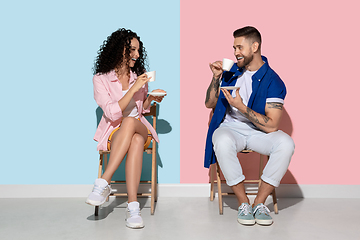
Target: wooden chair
103,161
215,168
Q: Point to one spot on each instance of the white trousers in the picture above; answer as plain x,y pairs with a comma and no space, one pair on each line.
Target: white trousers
233,137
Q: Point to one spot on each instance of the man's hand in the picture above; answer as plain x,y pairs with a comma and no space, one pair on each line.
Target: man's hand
234,101
216,68
212,93
268,122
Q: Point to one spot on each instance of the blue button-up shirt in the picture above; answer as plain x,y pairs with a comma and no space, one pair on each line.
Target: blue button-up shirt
265,84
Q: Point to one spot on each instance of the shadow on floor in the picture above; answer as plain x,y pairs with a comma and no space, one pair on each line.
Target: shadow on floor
231,202
116,202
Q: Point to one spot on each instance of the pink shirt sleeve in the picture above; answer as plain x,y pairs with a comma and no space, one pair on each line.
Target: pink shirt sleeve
110,107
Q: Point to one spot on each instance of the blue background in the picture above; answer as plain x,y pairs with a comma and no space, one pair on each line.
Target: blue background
48,114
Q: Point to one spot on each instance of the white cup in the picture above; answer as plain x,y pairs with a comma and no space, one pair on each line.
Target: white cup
227,64
151,74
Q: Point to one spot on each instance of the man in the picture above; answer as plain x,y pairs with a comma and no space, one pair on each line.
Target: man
248,118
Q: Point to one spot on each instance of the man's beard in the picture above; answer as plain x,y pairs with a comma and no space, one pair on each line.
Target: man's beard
246,61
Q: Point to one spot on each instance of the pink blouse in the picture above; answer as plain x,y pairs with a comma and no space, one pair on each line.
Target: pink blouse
107,93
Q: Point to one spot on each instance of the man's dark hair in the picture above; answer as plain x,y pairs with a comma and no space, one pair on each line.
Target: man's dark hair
249,33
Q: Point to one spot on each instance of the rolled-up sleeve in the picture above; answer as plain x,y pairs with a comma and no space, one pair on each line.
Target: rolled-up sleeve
276,91
102,97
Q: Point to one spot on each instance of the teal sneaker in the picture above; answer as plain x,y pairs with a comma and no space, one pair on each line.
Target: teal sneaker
245,214
261,214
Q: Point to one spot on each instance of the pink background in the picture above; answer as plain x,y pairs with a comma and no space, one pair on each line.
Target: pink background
313,46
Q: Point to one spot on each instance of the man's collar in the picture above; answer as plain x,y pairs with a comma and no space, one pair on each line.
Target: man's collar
262,70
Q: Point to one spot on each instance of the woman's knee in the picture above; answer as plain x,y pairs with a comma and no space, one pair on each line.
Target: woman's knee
138,139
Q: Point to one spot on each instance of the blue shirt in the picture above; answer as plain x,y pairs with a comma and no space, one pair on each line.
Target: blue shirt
265,84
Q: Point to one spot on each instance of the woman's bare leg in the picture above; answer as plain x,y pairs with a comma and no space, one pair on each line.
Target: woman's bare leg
121,142
133,166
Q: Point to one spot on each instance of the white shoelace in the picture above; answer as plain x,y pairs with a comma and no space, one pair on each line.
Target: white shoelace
262,209
134,212
245,209
99,190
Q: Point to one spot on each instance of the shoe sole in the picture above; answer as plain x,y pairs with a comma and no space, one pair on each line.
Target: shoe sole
95,204
134,226
246,222
264,222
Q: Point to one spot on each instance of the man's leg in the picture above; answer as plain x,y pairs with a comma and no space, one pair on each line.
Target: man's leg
239,191
280,147
227,144
264,191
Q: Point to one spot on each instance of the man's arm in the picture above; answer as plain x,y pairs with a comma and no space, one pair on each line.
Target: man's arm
212,93
268,122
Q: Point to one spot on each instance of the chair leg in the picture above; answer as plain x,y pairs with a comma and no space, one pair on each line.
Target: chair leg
101,161
96,211
219,188
100,165
105,160
153,178
276,210
156,189
261,167
155,185
156,180
212,193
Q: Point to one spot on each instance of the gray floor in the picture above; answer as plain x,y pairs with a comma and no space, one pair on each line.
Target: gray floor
177,218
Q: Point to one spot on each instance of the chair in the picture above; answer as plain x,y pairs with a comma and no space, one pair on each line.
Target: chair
103,161
215,168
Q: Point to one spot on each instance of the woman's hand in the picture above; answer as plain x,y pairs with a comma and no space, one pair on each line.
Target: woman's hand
140,81
150,98
157,98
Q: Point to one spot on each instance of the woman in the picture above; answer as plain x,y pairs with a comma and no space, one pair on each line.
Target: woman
120,89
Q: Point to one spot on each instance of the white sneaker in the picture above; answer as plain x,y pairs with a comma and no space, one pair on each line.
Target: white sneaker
133,216
99,193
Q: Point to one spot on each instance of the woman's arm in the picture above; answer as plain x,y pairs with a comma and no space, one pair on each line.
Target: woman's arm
125,100
110,108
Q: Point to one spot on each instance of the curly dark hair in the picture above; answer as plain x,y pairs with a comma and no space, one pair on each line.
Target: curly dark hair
111,51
